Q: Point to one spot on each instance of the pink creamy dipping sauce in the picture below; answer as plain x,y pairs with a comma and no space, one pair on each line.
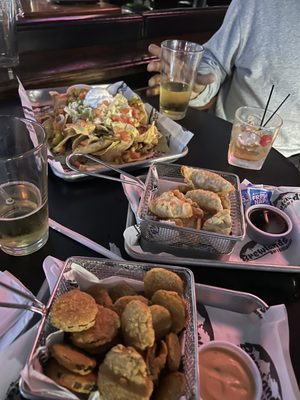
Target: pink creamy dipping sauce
227,373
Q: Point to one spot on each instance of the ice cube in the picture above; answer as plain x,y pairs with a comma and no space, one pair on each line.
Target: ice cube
248,138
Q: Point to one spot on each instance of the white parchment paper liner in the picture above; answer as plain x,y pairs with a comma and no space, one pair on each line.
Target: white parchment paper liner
263,335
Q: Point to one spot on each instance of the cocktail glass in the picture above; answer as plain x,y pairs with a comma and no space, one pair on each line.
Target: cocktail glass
250,143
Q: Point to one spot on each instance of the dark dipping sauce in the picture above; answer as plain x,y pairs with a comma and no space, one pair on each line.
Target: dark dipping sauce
268,221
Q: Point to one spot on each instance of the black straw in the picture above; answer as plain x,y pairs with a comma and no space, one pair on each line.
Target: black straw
267,105
283,101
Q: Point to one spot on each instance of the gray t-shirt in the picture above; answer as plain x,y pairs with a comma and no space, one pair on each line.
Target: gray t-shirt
257,45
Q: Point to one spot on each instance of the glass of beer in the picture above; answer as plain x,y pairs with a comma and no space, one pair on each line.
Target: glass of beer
251,142
179,61
23,186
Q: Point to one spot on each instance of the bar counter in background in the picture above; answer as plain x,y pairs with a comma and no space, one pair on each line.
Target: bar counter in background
65,48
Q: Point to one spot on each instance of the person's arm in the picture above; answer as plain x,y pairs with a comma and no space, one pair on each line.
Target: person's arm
220,54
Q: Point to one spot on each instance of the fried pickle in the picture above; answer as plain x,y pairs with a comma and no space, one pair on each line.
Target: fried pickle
136,324
162,278
123,375
161,320
175,304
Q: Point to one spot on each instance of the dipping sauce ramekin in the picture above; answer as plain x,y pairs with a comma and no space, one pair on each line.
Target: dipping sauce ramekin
228,373
266,224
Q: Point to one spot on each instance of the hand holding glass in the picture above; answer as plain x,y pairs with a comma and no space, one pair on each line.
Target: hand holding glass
250,142
23,186
179,61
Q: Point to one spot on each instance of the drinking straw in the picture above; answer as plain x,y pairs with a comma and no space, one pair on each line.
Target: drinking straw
267,105
283,101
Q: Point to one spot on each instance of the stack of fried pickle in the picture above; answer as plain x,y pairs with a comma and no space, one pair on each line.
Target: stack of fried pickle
123,343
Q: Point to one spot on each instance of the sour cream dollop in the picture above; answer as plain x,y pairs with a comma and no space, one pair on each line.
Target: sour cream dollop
96,96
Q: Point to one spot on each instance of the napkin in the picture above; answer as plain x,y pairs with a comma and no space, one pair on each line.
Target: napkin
13,357
12,320
15,345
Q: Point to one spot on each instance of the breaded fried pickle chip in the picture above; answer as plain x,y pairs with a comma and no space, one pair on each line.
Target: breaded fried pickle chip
174,351
161,320
121,303
75,382
171,387
100,295
120,290
104,330
161,278
74,311
136,324
72,359
175,304
123,375
156,358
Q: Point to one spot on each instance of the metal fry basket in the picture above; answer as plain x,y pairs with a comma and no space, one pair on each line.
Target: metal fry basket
156,231
103,268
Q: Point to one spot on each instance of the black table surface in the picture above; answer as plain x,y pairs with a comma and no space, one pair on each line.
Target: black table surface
97,208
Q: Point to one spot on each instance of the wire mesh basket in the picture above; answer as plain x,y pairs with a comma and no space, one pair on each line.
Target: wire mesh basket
103,268
156,231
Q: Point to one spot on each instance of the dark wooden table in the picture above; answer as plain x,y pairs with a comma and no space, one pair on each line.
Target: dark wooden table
97,209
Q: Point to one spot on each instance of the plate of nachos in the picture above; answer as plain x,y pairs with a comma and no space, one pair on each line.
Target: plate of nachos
110,122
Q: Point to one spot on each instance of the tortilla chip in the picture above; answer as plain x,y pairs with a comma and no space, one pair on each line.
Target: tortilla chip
138,104
81,127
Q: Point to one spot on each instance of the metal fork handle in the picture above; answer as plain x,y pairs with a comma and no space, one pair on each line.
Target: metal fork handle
25,295
136,181
28,307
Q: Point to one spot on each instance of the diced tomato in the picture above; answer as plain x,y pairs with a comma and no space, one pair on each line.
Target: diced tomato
82,95
125,110
124,135
265,140
136,113
135,155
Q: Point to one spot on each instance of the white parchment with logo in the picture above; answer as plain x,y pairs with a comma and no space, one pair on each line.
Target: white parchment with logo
283,252
263,334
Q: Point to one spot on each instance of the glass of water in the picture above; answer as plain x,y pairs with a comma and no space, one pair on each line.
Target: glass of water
23,186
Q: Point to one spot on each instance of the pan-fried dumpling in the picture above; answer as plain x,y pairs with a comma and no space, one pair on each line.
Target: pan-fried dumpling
208,201
203,179
219,223
225,200
171,204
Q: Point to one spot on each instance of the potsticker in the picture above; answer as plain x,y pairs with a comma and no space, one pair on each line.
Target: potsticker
219,223
208,201
203,179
